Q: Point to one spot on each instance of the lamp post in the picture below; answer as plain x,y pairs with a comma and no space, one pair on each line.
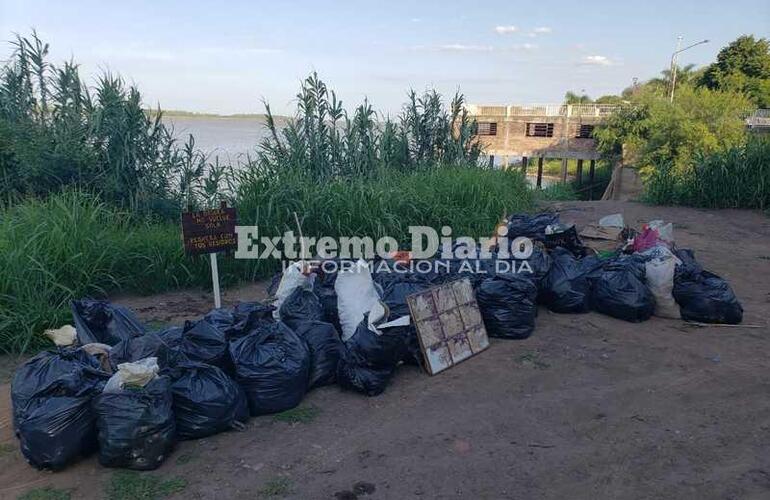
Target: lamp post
674,64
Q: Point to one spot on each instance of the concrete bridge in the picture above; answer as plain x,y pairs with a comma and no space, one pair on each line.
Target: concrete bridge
510,134
759,121
526,132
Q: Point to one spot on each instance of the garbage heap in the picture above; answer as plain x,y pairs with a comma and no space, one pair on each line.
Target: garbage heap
112,386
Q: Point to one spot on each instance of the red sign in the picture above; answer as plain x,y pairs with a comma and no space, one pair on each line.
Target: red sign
209,231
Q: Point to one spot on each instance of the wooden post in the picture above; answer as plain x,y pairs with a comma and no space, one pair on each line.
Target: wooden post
524,161
579,172
591,171
539,183
491,161
564,170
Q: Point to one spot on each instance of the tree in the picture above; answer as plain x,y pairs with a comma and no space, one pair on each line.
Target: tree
609,99
655,131
573,98
743,66
685,75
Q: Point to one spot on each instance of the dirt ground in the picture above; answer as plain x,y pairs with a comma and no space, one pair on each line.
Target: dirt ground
588,407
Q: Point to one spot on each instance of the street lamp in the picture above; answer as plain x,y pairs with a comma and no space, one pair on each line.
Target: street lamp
674,65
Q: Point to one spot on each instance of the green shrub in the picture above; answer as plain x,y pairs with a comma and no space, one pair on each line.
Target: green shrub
738,177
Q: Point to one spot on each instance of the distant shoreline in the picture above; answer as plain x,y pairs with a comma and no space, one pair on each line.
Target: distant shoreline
170,113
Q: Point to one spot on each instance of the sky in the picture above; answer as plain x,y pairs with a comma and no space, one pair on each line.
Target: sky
226,57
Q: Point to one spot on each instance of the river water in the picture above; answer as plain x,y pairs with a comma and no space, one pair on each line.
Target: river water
228,138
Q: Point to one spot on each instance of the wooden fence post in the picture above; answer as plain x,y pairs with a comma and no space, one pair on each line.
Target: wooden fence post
564,164
539,183
579,172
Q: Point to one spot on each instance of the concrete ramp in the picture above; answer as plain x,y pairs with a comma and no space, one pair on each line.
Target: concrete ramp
625,184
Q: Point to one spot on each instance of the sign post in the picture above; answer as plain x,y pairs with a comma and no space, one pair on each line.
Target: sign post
215,280
210,231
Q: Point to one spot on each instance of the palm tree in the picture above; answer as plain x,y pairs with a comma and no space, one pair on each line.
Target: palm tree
684,75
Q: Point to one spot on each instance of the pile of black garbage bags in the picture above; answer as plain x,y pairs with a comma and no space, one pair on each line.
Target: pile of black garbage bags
250,360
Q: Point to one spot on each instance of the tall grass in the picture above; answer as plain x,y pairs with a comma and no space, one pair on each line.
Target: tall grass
738,177
73,245
324,141
56,132
469,200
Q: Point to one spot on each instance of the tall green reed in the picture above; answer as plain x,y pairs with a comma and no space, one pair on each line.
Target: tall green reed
324,141
57,133
738,177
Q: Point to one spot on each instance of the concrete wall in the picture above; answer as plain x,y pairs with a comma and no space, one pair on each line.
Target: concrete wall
511,139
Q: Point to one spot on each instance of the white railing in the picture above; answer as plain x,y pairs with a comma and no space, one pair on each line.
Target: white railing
596,110
759,119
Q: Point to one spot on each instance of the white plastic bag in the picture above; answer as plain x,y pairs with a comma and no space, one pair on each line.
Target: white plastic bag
356,296
63,337
137,374
660,281
614,220
292,278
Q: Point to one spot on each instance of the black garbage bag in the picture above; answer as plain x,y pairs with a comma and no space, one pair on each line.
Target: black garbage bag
204,343
395,293
531,226
136,425
394,296
565,236
206,401
275,281
535,267
689,266
357,375
621,291
508,305
241,319
63,371
325,347
475,270
702,295
222,319
300,306
249,315
272,364
51,396
103,322
140,347
57,430
323,287
171,336
386,349
567,286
